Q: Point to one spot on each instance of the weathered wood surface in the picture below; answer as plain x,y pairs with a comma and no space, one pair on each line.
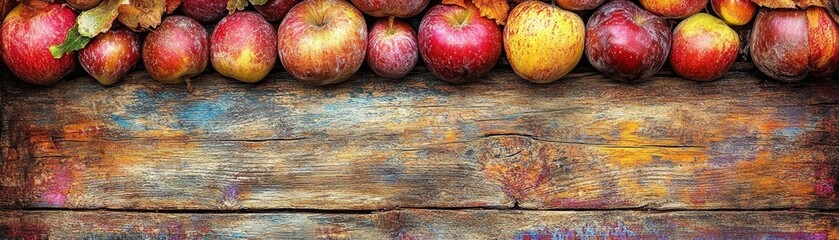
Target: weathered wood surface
421,224
585,142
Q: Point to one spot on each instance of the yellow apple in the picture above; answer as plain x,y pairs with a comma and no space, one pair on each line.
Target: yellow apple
543,42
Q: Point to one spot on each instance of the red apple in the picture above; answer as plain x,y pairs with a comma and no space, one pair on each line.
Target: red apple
579,5
734,12
322,41
704,48
392,50
176,50
275,10
626,42
387,8
674,9
27,34
790,45
243,47
205,11
458,44
110,55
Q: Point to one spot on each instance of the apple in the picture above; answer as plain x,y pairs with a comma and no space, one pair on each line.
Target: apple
734,12
242,47
674,9
543,42
704,48
176,50
27,34
387,8
790,45
626,42
458,44
322,42
110,55
579,5
205,11
82,5
275,10
392,48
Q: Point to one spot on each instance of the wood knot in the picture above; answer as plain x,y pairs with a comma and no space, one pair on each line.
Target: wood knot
520,164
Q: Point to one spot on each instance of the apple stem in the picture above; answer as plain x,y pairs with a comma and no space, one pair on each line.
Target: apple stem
390,23
188,85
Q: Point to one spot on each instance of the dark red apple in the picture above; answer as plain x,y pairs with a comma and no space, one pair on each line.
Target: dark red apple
82,5
387,8
27,34
790,45
275,10
458,44
626,42
110,55
205,11
176,50
243,46
322,42
392,49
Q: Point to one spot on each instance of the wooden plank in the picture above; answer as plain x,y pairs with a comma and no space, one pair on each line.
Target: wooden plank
421,224
585,142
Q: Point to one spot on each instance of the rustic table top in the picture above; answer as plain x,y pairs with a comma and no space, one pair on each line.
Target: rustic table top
741,157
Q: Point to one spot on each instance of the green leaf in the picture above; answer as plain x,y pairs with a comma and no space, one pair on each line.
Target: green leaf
99,19
236,5
258,2
73,42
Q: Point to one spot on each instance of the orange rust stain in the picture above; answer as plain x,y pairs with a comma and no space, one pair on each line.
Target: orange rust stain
84,131
632,152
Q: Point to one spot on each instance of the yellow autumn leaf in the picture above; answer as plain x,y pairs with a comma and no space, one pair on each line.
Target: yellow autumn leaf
791,3
493,9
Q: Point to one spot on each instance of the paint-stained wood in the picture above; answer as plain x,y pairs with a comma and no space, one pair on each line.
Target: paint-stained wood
585,142
421,224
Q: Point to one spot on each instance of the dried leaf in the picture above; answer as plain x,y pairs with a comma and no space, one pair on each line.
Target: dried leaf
171,5
494,9
790,3
141,15
239,5
73,42
236,5
99,19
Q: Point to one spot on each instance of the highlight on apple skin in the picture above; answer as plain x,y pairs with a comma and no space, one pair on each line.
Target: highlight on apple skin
458,44
27,34
243,47
626,42
392,49
543,42
322,42
704,48
387,8
110,55
176,50
734,12
674,9
790,45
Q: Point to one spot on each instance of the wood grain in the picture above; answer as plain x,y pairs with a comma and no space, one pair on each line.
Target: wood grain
585,142
421,224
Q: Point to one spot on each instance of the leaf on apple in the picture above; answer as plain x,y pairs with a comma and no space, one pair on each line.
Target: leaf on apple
171,5
493,9
141,15
73,42
99,19
790,3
